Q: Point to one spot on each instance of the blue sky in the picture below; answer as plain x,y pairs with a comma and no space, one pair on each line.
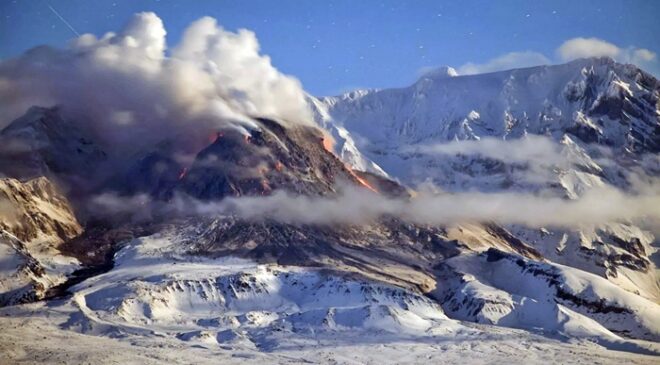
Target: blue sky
334,46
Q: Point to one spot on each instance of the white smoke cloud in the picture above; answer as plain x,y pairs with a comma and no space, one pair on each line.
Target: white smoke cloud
505,62
358,206
593,47
529,149
569,50
129,90
533,157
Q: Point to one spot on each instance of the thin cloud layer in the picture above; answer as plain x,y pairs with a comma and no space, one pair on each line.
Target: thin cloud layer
571,49
529,149
129,90
357,206
533,157
505,62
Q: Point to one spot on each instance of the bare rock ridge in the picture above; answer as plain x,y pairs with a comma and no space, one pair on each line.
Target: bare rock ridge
36,220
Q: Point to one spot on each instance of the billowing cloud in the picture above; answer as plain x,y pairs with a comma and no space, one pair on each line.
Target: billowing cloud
128,88
594,47
505,62
586,47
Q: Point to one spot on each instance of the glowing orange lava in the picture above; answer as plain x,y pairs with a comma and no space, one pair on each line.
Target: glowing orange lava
327,142
365,184
362,181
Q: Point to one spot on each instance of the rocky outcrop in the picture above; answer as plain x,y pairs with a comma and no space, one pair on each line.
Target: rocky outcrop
34,221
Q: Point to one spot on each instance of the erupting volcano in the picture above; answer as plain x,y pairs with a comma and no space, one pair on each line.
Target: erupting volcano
362,181
189,203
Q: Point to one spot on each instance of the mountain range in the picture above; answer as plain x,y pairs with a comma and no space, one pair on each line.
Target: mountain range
205,244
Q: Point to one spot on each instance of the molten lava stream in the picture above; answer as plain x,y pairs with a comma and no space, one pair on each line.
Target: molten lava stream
328,145
362,181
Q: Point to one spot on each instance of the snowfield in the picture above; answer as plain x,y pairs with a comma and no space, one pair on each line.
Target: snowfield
160,305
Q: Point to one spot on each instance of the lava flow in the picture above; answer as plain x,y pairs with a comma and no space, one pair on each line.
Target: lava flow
328,143
362,181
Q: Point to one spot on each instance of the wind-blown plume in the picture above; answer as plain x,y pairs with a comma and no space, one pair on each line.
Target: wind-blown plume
130,89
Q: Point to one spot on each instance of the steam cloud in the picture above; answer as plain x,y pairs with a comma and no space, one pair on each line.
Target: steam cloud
357,206
529,149
131,88
534,156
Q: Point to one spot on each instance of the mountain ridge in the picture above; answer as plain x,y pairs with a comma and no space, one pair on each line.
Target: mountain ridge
164,255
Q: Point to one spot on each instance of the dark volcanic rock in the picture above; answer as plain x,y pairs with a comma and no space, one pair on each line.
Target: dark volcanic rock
269,158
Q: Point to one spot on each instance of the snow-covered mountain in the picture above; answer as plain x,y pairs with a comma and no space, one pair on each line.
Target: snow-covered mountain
595,123
580,104
594,100
217,283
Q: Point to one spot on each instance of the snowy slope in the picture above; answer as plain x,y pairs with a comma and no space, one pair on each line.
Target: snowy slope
508,290
599,123
159,304
596,99
156,288
585,102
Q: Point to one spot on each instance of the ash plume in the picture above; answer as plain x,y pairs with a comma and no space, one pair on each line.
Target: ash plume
131,89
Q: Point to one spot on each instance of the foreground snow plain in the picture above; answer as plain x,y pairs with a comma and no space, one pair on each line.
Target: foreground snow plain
160,305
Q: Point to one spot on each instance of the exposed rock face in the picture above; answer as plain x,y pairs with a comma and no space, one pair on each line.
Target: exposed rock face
156,172
37,212
36,219
270,158
238,163
388,250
